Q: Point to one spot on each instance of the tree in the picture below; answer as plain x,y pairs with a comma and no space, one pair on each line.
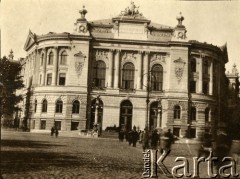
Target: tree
11,79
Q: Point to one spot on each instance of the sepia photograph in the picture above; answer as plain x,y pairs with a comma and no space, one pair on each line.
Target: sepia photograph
128,89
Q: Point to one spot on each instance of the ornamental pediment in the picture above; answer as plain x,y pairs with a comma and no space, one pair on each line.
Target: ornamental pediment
31,39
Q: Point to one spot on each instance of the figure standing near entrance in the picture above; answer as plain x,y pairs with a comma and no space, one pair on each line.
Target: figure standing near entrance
56,132
52,130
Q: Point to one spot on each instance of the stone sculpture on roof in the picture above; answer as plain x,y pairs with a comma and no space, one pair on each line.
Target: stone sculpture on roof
131,11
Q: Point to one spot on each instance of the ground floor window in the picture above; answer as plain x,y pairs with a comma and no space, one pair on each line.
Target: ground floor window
192,133
74,125
126,115
176,131
43,124
58,125
33,124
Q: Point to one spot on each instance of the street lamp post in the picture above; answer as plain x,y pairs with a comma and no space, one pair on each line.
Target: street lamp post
147,101
1,113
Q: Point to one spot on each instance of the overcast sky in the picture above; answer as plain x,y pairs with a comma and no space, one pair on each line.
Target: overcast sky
214,22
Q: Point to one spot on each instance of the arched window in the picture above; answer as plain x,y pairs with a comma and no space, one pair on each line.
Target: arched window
59,106
207,110
63,58
193,65
177,112
157,80
50,58
128,76
193,114
35,105
44,105
99,74
75,107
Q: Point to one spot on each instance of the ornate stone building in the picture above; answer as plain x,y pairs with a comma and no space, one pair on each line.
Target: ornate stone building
126,71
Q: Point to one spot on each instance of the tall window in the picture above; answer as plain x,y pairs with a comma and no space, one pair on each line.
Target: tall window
193,65
59,106
207,110
193,114
44,105
192,86
42,58
35,105
62,79
205,87
157,80
50,58
75,107
49,79
99,74
40,79
128,76
205,67
63,58
177,112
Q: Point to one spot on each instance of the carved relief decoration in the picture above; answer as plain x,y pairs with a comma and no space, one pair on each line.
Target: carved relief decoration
101,55
158,57
82,99
101,30
79,62
182,104
179,67
128,57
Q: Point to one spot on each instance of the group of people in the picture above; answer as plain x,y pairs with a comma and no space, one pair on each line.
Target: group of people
54,130
154,139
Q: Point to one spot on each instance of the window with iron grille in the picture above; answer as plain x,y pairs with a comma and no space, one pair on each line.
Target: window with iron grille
128,76
157,77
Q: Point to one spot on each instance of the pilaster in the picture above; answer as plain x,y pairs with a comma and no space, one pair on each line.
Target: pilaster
145,69
55,66
110,75
200,70
139,75
44,66
116,68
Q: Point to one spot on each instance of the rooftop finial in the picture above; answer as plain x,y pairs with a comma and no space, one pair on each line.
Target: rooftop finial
11,55
234,70
83,12
180,18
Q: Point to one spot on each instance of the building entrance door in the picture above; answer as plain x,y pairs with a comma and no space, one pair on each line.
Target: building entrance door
125,122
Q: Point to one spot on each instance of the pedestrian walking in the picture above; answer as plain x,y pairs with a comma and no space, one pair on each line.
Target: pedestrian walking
56,132
135,136
52,130
166,141
145,139
121,135
154,140
205,145
130,137
140,136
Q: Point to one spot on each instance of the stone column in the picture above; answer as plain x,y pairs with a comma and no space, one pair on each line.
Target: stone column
44,66
110,75
55,66
211,79
139,77
116,66
200,80
145,69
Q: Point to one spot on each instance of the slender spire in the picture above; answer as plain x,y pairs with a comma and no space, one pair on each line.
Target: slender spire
10,56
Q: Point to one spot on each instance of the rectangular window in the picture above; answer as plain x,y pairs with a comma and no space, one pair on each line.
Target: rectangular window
192,86
49,79
43,124
192,133
205,88
62,79
176,131
58,125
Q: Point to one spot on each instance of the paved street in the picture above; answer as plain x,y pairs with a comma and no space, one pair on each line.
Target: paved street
33,155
